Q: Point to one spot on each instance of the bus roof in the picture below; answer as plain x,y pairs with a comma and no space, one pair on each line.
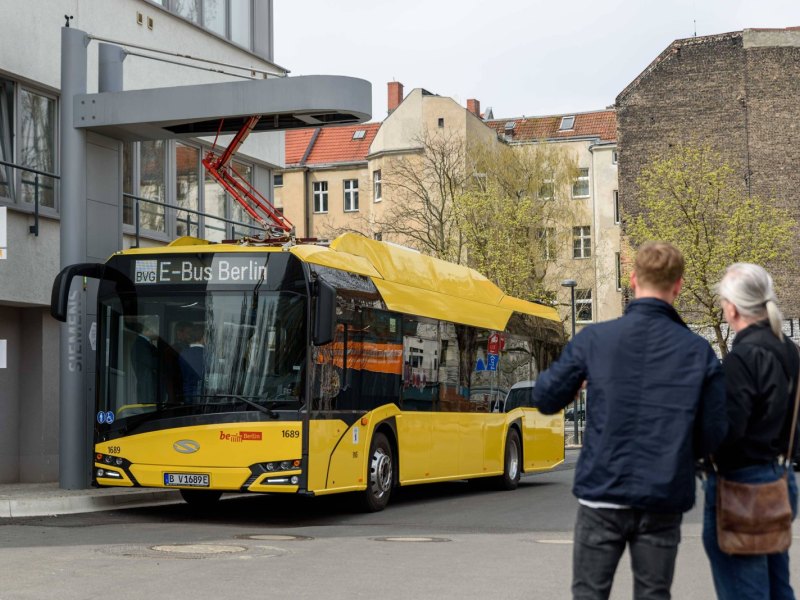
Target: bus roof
408,281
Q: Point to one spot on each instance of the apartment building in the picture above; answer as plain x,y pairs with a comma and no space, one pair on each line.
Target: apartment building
593,257
168,173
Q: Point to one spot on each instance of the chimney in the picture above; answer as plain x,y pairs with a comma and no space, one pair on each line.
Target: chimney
395,95
474,106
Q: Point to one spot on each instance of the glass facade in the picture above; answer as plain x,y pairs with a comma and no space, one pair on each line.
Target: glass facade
231,19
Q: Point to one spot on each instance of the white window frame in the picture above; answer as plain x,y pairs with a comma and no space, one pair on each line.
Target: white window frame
17,174
567,123
616,207
583,180
618,259
320,195
350,195
583,300
274,180
377,186
614,157
582,242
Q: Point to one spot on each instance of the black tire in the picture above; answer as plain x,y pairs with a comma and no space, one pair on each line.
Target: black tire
512,462
380,474
201,498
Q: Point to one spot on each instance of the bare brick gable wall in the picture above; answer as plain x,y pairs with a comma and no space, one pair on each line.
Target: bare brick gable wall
738,92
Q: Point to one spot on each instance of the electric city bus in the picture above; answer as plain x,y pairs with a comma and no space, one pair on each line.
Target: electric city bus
310,369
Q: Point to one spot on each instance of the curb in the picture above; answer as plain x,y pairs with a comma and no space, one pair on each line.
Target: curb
72,504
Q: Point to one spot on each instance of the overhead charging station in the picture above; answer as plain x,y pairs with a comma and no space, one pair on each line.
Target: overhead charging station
93,128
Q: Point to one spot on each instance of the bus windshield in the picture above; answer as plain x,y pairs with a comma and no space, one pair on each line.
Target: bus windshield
194,351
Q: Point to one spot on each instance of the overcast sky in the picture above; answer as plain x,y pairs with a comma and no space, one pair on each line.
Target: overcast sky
535,57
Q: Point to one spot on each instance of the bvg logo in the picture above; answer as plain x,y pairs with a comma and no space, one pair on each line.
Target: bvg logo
186,446
146,271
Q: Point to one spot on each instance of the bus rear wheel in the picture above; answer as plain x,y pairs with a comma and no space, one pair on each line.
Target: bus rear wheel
201,498
380,474
512,461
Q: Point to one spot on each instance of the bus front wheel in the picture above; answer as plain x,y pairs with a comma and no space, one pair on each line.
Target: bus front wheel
380,474
511,462
201,498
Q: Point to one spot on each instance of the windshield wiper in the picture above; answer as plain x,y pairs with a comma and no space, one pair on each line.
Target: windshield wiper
135,421
268,410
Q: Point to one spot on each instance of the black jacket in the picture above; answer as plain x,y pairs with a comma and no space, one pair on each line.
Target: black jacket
760,378
655,403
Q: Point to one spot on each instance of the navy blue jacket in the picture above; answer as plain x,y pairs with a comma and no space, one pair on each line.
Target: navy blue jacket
655,403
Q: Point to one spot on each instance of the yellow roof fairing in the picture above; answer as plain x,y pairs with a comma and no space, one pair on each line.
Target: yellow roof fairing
530,308
410,268
431,304
320,255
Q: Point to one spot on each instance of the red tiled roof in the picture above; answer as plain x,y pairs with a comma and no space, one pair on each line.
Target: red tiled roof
332,145
602,124
296,144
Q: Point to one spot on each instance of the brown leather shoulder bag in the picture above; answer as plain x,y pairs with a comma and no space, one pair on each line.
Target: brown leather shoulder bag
756,518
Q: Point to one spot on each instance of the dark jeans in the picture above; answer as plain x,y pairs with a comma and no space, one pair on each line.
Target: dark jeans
761,577
601,535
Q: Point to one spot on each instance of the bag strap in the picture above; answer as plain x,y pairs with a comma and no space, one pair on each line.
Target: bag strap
788,456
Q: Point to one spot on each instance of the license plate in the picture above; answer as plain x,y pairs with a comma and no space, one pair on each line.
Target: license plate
186,479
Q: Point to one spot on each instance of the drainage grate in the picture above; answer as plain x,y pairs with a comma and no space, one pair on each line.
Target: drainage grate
274,537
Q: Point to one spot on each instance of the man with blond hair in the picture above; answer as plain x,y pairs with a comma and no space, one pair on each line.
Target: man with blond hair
655,403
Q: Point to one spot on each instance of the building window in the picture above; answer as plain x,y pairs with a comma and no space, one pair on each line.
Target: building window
583,305
377,186
350,195
614,157
231,19
187,188
547,191
359,134
242,22
191,190
567,123
188,9
616,207
546,236
580,187
618,261
277,180
152,185
36,146
378,236
320,196
581,242
441,121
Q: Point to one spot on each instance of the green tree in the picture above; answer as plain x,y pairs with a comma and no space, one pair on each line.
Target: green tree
516,217
691,198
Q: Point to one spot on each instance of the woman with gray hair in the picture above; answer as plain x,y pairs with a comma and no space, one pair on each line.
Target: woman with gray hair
761,373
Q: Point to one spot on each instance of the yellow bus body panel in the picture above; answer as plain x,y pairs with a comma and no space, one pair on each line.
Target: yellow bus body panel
225,452
433,446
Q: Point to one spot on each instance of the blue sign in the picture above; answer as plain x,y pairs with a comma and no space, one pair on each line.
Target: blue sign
109,417
101,417
492,361
481,365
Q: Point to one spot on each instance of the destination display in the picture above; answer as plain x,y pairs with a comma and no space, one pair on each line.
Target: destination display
199,270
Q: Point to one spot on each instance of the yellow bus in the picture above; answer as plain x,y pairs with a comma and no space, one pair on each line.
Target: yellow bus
357,366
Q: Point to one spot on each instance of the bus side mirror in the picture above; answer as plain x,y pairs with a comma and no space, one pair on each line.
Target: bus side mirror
59,297
325,315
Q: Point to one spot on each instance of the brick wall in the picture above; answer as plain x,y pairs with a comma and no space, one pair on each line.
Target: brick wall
741,100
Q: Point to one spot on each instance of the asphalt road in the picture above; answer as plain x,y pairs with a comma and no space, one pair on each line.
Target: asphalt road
444,541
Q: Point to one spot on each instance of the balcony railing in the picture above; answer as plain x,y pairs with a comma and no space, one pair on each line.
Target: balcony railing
37,185
200,222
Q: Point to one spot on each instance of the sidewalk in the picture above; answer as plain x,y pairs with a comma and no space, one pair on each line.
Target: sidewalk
41,499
